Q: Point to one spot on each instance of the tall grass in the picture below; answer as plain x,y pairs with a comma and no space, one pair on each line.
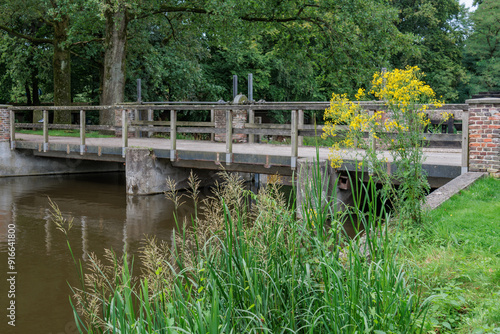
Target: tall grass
260,270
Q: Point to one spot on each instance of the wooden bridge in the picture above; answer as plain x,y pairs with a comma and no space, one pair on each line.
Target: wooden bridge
145,126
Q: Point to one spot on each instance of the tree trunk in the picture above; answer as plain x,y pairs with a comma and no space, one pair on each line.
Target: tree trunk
113,89
62,71
37,114
28,94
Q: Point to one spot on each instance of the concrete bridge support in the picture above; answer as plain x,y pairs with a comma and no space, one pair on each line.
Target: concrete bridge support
146,174
310,172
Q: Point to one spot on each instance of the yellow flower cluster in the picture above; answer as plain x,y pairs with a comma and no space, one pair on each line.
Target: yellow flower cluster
402,89
404,94
447,115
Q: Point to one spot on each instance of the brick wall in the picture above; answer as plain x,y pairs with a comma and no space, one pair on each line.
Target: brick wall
239,120
484,135
4,124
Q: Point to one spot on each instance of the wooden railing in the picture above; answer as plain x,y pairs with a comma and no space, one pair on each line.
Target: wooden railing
296,130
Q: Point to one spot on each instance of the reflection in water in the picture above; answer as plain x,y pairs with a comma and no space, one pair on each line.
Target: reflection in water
104,217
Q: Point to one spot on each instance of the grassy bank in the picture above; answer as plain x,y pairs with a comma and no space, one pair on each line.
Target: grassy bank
458,253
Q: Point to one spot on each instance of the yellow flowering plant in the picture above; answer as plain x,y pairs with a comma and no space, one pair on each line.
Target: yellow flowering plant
392,134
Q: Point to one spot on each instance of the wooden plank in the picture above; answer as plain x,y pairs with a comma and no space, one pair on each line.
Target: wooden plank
137,118
267,126
300,125
294,139
124,132
201,124
465,142
82,131
251,120
229,136
173,134
45,130
12,130
212,120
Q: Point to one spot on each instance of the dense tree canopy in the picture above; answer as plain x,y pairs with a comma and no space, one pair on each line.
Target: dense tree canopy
94,50
483,47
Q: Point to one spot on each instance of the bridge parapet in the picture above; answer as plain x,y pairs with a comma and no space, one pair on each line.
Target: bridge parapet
484,135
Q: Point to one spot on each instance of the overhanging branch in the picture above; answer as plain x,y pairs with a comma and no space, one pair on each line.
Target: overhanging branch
32,39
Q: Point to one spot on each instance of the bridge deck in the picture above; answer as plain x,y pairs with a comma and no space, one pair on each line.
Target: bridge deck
204,154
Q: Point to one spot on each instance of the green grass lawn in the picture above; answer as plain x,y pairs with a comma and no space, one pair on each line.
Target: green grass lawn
459,258
65,133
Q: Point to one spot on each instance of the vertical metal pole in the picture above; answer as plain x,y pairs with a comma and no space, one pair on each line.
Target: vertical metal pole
45,131
294,139
139,91
212,120
82,132
229,136
300,127
465,141
124,132
251,120
173,134
235,86
250,87
12,129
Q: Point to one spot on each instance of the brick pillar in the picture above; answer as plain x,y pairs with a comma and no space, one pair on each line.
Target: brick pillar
4,123
239,119
484,135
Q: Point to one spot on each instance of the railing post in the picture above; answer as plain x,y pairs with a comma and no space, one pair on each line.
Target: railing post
294,139
371,138
173,135
465,141
124,132
137,118
301,123
82,131
12,130
258,120
212,120
150,119
251,120
450,124
229,136
45,131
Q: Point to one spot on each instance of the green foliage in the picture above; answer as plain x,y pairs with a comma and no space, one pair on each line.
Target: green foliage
483,48
440,29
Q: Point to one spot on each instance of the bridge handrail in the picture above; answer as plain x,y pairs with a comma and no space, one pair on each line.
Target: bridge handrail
295,130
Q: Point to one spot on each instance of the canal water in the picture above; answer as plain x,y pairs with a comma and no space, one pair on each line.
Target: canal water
41,266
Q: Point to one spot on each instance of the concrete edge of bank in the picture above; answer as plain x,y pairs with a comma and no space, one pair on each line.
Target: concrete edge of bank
442,194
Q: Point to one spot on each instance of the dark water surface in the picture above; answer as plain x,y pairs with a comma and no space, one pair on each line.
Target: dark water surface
104,217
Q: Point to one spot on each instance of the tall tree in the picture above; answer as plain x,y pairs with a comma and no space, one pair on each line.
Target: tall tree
439,32
483,47
44,23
